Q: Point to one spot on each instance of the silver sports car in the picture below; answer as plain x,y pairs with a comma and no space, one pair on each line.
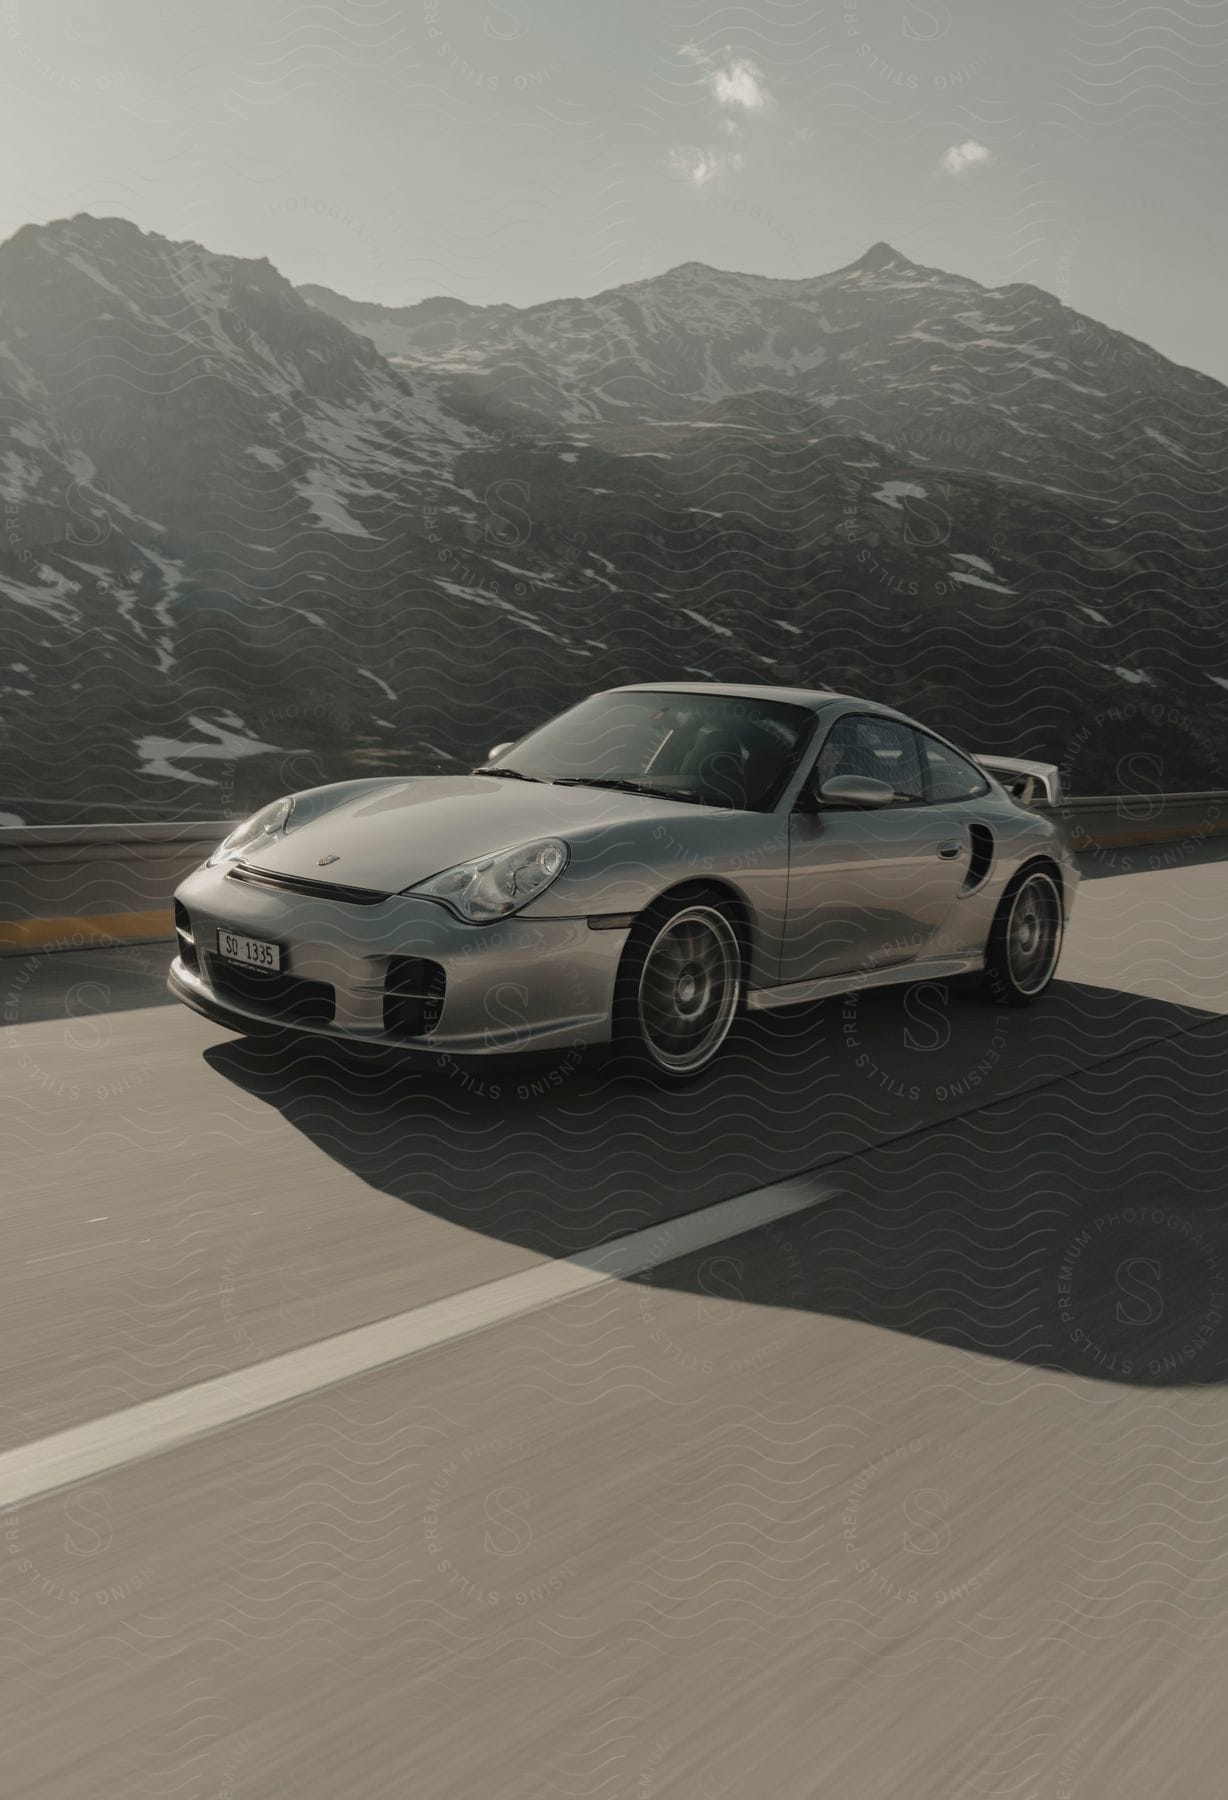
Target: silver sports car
639,869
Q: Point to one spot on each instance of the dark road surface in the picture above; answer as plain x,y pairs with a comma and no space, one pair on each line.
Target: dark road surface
919,1491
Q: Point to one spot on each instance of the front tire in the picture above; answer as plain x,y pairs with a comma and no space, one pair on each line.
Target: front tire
679,988
1025,939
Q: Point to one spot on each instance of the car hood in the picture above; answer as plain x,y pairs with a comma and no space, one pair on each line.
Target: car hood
410,830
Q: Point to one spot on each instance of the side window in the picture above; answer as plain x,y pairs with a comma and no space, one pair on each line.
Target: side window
883,748
949,776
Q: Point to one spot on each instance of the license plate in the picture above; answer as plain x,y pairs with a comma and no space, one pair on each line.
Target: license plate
251,952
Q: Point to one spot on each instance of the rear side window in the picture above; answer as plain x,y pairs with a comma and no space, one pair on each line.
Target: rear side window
949,776
865,745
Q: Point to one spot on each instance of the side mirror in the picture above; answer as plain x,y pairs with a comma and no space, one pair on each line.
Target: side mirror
856,790
499,750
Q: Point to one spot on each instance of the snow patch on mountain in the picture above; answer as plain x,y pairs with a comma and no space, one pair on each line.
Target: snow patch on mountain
967,579
708,624
892,492
18,478
322,492
52,600
1167,443
217,743
379,682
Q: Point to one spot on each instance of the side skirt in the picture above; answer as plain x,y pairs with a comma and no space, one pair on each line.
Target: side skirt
933,968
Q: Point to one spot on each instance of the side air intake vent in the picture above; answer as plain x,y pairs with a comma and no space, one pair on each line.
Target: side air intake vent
981,860
186,939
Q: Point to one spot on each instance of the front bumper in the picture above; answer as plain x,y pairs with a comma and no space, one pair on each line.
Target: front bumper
518,986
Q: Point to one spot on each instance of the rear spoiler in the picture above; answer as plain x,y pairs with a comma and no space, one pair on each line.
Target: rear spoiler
1033,783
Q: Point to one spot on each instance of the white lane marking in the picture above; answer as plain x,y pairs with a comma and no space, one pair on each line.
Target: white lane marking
172,1420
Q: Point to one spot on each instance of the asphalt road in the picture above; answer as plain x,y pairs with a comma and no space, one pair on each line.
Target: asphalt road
918,1491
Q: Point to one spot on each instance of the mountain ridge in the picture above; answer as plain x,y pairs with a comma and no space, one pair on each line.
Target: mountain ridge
251,547
879,257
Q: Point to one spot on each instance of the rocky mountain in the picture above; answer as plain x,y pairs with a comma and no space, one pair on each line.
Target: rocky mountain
257,537
933,363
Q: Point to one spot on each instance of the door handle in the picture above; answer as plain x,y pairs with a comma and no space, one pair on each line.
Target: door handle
949,850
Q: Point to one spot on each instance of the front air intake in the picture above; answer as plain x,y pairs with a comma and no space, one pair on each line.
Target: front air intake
413,996
284,999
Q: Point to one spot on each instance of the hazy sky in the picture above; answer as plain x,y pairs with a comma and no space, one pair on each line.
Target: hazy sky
525,149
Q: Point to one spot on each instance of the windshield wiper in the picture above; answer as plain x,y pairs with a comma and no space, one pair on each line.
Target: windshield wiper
508,774
623,785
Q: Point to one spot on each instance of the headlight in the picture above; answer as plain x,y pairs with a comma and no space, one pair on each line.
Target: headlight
268,823
491,887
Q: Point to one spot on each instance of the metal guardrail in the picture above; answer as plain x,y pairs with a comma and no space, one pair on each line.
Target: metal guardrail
64,887
1112,821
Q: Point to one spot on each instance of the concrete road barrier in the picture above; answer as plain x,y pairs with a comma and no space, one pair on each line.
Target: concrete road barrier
63,887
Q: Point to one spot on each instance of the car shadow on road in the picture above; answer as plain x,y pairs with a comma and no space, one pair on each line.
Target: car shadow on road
1041,1185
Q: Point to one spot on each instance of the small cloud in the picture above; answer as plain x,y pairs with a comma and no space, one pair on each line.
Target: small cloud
962,157
732,81
738,83
700,167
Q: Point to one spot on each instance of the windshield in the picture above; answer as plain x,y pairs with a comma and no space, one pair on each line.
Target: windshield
713,748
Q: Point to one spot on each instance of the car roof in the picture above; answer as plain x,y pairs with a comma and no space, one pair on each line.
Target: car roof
814,699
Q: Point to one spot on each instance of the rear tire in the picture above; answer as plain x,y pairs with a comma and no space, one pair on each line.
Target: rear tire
1025,939
679,988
